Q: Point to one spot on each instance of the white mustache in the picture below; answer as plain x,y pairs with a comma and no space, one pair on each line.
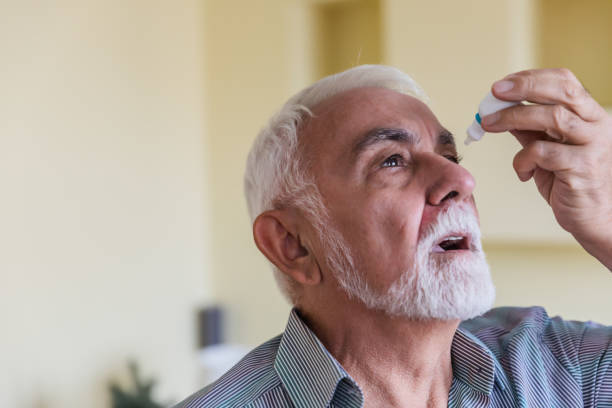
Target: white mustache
456,220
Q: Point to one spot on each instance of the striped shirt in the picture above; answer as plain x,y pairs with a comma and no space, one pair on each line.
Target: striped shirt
510,357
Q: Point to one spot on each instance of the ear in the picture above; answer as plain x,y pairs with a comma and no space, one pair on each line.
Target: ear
276,234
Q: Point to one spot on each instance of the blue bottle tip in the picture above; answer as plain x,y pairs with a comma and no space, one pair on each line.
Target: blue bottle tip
478,118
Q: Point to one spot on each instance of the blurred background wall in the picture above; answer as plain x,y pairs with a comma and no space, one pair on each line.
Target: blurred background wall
104,220
125,126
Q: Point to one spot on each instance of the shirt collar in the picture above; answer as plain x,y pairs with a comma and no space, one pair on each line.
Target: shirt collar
313,377
310,374
474,364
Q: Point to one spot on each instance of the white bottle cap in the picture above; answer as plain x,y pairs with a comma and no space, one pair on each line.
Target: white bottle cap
475,133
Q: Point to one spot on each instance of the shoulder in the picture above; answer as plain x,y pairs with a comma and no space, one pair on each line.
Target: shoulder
514,332
509,322
503,325
250,379
507,319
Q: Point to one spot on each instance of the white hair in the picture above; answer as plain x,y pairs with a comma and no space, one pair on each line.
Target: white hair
276,174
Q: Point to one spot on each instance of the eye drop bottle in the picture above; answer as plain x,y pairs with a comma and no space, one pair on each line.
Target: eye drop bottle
489,105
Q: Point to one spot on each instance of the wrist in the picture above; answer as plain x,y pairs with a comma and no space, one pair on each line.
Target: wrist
598,247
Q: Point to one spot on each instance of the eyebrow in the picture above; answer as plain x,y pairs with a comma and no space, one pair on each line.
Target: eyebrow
378,135
446,138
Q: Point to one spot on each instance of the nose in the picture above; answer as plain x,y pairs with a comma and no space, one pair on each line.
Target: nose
446,180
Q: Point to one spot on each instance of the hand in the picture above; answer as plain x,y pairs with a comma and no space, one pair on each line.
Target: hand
567,149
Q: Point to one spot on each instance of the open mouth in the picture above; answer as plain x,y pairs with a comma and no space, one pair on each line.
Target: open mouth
452,243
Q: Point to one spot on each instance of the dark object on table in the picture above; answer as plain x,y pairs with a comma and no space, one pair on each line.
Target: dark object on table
210,326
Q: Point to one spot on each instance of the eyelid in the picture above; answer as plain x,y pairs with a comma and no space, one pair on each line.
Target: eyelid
402,162
398,156
455,158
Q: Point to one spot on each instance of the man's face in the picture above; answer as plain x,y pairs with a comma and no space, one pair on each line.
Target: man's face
386,169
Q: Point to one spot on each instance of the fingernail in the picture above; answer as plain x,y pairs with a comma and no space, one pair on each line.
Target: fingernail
490,119
503,86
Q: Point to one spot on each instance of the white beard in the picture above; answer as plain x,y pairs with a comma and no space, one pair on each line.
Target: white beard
443,286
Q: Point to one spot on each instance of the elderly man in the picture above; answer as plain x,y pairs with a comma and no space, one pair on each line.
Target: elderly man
360,203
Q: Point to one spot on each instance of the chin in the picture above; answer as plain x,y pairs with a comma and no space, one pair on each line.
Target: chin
449,287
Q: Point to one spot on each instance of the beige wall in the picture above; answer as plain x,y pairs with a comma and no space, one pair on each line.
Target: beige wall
250,71
346,33
578,35
563,278
104,245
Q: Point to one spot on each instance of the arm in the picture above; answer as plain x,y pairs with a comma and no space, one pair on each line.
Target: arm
567,149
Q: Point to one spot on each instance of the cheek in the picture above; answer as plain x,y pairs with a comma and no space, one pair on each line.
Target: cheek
381,229
429,216
473,204
390,237
401,231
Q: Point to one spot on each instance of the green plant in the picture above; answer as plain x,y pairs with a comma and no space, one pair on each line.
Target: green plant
139,397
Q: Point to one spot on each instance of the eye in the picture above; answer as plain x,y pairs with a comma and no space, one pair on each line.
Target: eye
455,158
393,161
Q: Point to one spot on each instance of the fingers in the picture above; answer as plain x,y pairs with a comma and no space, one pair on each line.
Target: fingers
550,87
525,137
550,156
559,123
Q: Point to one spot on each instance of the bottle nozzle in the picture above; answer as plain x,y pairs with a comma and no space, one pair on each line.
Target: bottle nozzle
474,132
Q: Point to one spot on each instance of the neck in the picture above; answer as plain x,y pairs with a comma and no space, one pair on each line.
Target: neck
395,361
